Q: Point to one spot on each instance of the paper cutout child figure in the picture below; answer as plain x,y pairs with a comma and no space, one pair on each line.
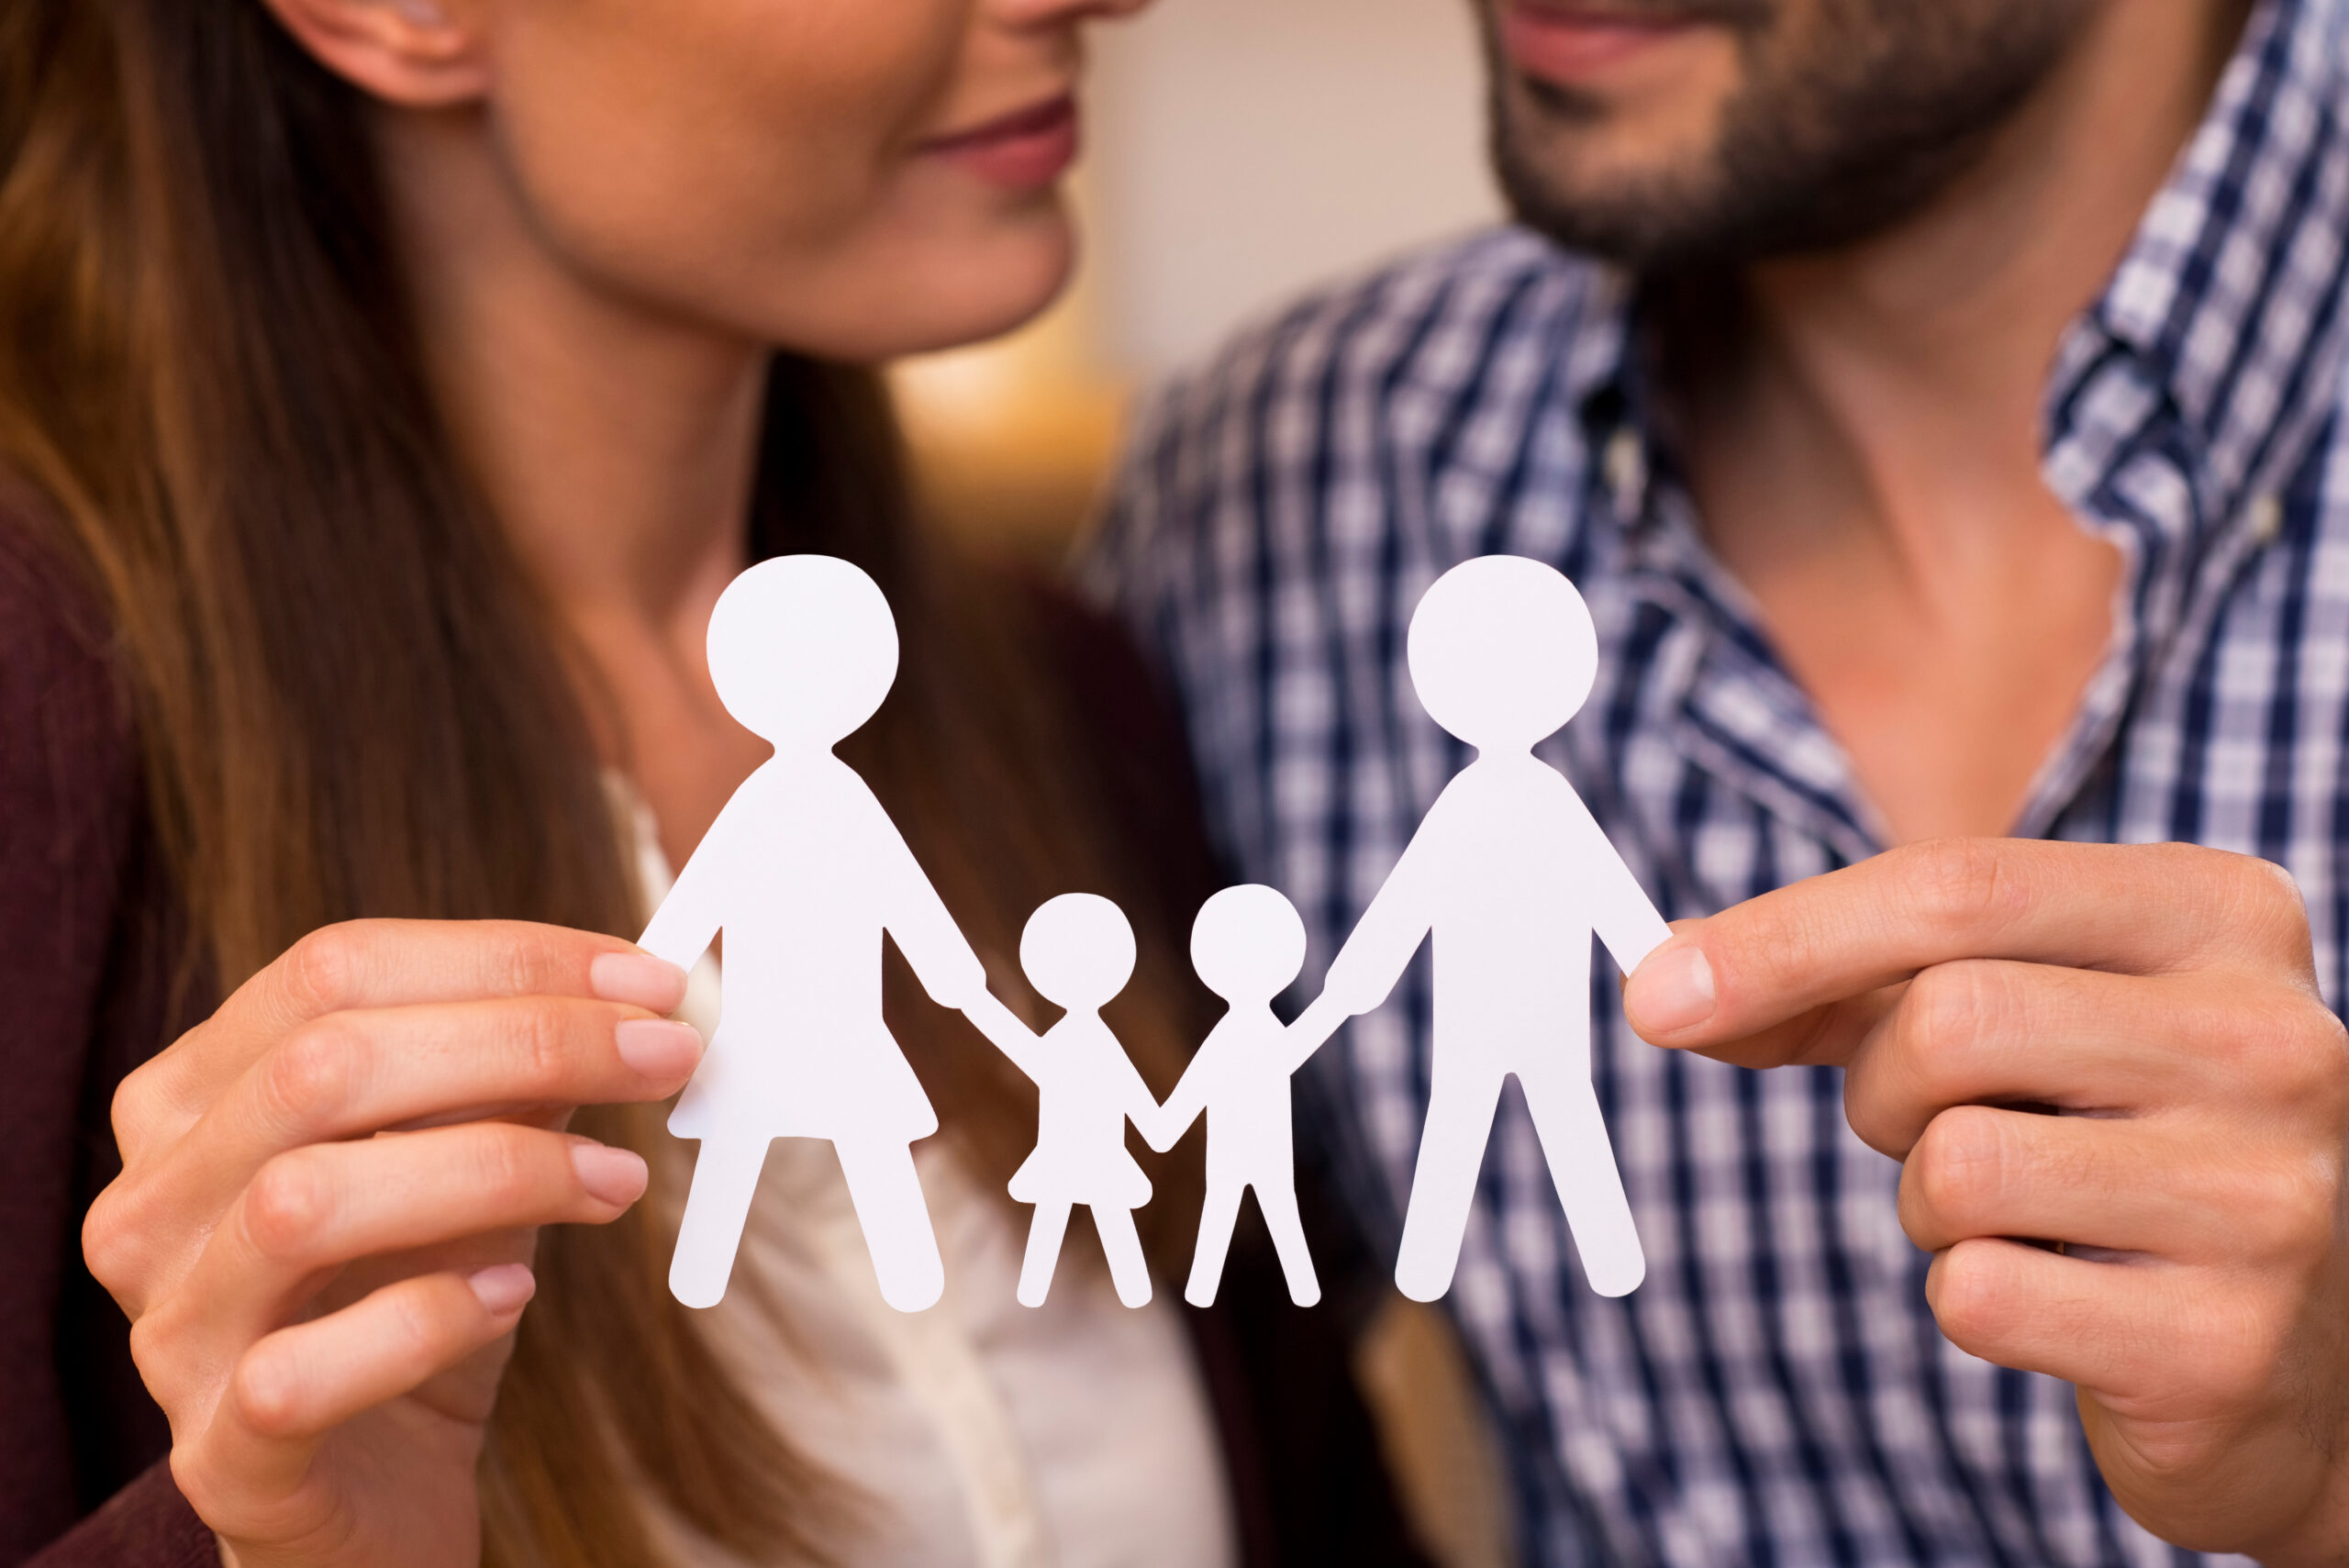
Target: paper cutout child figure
1247,945
804,871
1078,952
1512,875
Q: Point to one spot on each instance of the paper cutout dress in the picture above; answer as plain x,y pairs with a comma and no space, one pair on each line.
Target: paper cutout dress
1511,876
1078,952
803,872
1247,946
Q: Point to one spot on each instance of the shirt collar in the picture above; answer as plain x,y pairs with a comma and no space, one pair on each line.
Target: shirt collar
2227,298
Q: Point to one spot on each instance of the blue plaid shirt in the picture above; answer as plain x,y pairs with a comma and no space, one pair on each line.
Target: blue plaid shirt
1776,1392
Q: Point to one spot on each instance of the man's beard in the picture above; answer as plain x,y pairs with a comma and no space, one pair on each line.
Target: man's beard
1838,130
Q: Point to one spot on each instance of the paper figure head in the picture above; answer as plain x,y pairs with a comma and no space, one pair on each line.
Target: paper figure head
802,649
1502,651
1248,944
1078,950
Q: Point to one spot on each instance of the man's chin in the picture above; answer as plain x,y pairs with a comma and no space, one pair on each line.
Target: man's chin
1603,201
1807,145
1627,176
1656,204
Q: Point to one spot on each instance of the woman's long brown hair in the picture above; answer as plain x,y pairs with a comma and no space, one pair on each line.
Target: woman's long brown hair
351,706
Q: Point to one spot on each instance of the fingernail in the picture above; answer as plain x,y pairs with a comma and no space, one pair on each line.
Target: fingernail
659,1047
503,1287
638,979
615,1175
1672,991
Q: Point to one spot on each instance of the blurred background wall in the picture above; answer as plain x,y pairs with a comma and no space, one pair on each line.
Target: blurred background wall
1240,151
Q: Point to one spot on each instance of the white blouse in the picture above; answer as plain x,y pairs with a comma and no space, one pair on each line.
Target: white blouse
980,1432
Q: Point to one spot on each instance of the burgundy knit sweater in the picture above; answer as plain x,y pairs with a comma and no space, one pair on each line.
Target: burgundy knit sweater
84,947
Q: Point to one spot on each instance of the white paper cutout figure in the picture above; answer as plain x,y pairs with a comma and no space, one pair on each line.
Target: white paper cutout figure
1511,875
803,872
1078,952
1247,945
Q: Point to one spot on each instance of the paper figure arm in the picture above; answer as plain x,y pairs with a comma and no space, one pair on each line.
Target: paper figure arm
917,918
1313,1029
1004,1032
688,919
1621,911
1141,1107
1400,915
1163,1127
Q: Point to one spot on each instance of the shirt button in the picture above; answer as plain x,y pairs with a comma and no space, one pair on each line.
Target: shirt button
2265,519
1626,466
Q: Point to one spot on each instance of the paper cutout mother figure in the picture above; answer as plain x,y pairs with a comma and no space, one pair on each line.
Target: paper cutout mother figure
1247,945
1511,875
803,872
1078,952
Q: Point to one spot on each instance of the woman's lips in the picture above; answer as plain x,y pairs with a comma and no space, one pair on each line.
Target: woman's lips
1021,152
1568,44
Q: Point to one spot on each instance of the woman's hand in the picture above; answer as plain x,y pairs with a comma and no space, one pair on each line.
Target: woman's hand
329,1196
2164,1001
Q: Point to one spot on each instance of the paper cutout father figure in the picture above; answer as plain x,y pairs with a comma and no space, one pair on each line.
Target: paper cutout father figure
1511,875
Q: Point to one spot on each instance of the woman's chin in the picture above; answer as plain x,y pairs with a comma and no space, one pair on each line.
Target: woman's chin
983,320
945,295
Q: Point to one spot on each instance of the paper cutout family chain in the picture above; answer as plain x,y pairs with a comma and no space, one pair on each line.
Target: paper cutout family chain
803,872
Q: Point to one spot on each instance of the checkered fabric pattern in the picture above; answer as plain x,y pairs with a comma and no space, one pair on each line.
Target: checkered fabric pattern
1776,1392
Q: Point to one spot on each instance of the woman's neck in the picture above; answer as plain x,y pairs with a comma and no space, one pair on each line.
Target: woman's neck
614,444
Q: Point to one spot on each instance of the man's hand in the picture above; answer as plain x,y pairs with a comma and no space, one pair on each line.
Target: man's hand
2192,1276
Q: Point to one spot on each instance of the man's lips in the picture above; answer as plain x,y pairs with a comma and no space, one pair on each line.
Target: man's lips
1569,44
1030,147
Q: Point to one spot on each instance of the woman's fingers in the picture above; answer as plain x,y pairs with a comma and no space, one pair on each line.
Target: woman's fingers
359,1073
313,1210
304,1381
372,964
247,1471
392,963
355,1072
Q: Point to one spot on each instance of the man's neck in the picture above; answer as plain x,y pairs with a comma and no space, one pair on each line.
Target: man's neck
1898,379
1864,436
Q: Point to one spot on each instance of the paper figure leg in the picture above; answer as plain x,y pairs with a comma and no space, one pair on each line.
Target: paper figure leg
1443,1184
1128,1271
1044,1233
1582,1165
1278,1201
726,1175
886,1191
1217,1217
